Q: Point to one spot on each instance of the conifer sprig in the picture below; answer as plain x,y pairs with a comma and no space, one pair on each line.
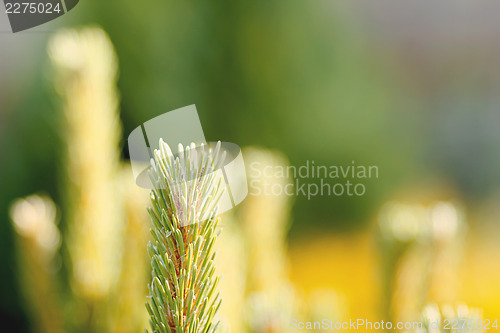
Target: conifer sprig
187,189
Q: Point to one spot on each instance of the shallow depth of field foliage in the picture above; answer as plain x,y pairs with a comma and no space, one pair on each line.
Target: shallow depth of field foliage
325,81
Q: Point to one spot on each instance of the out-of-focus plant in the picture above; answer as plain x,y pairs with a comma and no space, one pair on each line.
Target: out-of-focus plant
272,300
452,319
448,232
85,68
404,269
265,221
128,311
420,252
187,190
232,268
38,239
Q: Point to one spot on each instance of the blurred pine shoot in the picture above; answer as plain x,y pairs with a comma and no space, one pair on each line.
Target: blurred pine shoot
231,266
85,70
37,241
187,189
264,217
421,251
452,319
127,303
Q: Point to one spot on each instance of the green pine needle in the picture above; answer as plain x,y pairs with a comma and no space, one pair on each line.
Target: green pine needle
187,190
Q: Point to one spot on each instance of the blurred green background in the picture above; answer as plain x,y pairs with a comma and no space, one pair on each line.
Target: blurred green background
411,88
